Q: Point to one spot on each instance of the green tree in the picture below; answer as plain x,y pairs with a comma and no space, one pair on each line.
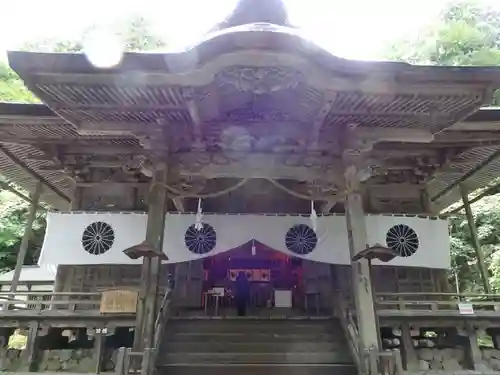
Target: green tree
12,88
468,33
464,262
138,34
135,34
13,212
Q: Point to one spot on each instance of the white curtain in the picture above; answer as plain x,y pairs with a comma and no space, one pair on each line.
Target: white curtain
63,239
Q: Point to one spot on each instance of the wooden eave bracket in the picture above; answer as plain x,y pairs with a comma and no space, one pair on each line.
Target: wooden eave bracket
144,249
382,253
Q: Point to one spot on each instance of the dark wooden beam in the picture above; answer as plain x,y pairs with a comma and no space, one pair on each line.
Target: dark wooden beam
328,205
33,174
129,184
483,271
179,204
122,107
466,176
495,189
25,109
4,185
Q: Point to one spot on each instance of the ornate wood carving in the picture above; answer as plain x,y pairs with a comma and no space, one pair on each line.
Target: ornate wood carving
307,167
260,80
188,185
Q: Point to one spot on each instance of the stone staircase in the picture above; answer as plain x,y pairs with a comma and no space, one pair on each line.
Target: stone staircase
247,346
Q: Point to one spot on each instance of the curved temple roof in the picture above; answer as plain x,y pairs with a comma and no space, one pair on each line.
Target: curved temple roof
255,11
254,100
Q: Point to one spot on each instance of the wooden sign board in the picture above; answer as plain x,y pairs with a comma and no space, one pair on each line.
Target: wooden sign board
119,301
466,309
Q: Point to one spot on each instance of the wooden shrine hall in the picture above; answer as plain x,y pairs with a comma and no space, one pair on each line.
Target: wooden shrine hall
324,182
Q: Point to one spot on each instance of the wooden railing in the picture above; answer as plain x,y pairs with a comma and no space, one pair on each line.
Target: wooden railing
350,329
162,317
39,301
382,363
437,302
130,362
368,361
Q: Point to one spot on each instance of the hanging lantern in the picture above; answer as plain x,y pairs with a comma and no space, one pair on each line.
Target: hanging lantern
254,249
198,225
313,217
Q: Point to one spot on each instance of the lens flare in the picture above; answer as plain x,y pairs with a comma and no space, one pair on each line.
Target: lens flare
103,49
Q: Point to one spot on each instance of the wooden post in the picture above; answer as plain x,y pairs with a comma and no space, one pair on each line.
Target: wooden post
98,348
32,350
427,204
147,361
121,367
23,248
474,352
361,278
146,311
76,202
475,240
410,358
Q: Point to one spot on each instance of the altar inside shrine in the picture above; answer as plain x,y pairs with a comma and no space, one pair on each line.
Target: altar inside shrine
275,279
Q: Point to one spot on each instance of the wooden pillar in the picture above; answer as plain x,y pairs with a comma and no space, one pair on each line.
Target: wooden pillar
442,282
32,351
475,356
410,359
475,240
28,230
147,307
76,202
98,348
427,205
361,278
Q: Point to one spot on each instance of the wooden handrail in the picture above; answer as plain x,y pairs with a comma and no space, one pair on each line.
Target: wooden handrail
38,301
434,294
350,329
421,301
162,317
443,303
51,294
129,362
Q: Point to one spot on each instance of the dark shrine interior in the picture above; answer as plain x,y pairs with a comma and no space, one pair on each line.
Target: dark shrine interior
266,269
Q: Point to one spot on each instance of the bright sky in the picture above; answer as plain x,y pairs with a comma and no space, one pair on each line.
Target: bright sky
357,29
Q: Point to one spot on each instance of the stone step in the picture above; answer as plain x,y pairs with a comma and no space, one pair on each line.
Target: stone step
255,358
253,336
247,346
252,369
278,326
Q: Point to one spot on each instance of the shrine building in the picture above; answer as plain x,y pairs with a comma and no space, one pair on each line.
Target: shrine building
321,182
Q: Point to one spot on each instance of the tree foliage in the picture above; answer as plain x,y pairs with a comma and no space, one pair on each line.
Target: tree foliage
468,33
135,34
12,88
13,216
464,261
